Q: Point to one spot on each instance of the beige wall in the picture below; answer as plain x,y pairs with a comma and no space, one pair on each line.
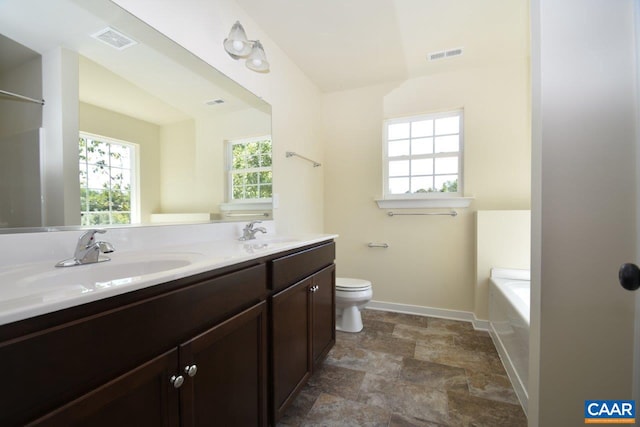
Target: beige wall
103,122
503,240
177,163
430,260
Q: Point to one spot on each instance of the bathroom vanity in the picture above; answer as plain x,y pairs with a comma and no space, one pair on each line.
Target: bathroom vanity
231,345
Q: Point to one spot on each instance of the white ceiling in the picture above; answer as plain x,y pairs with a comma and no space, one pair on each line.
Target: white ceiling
345,44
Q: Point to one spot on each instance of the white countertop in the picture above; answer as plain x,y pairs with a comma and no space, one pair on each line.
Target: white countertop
35,288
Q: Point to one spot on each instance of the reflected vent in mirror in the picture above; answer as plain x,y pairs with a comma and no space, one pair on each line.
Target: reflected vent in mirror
114,38
444,54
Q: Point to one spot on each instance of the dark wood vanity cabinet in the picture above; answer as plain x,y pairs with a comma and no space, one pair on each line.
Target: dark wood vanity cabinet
217,377
204,350
116,364
302,325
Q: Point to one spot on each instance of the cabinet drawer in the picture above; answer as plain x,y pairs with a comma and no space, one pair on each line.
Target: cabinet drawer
51,367
292,268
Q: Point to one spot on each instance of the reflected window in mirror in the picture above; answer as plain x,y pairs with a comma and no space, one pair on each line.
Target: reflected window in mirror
250,171
108,185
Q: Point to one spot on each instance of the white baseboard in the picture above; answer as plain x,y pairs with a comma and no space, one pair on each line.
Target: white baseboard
419,310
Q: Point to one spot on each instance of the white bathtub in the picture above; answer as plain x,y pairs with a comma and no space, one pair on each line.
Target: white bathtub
509,311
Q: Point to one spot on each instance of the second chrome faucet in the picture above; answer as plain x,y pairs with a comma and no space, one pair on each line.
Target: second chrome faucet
249,232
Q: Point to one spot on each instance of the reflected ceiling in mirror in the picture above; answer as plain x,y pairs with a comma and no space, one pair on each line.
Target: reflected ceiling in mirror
106,74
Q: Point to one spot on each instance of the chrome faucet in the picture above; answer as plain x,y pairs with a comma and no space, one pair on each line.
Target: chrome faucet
249,232
88,250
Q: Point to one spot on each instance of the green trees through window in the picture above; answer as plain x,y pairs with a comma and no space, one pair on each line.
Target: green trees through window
250,172
106,173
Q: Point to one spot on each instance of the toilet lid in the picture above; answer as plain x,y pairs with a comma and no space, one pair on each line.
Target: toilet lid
348,284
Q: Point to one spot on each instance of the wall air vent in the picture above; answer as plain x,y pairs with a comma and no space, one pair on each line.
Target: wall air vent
433,56
114,38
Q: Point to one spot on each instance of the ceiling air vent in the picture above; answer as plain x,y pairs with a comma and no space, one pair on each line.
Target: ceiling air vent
433,56
114,38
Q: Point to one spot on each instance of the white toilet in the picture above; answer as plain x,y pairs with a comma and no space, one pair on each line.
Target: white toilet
351,296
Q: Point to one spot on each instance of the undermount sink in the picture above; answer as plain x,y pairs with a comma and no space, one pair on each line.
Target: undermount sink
104,272
50,283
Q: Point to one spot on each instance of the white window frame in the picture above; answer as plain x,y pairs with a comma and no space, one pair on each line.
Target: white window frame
246,203
135,172
427,199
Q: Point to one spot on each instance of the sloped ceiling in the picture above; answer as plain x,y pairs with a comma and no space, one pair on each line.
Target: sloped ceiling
345,44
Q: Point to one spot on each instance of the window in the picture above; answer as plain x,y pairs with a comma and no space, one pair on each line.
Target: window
250,171
107,181
423,156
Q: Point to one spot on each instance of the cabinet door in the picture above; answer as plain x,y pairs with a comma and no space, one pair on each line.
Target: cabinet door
291,338
142,397
229,382
323,311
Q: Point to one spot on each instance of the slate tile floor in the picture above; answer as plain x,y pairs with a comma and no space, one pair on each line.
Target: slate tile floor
404,371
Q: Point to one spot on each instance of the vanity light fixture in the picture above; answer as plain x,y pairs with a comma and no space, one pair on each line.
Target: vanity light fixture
238,46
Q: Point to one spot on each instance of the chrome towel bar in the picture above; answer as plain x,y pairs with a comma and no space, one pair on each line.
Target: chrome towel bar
452,213
291,154
265,214
24,98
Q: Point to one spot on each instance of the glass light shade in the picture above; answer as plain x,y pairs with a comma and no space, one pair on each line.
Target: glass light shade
237,44
257,60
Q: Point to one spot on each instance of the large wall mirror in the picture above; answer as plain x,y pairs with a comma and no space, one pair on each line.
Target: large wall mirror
134,128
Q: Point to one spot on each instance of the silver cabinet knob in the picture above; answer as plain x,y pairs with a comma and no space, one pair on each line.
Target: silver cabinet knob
191,370
314,288
176,381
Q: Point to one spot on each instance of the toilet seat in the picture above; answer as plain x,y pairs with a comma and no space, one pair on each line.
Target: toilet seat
345,284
